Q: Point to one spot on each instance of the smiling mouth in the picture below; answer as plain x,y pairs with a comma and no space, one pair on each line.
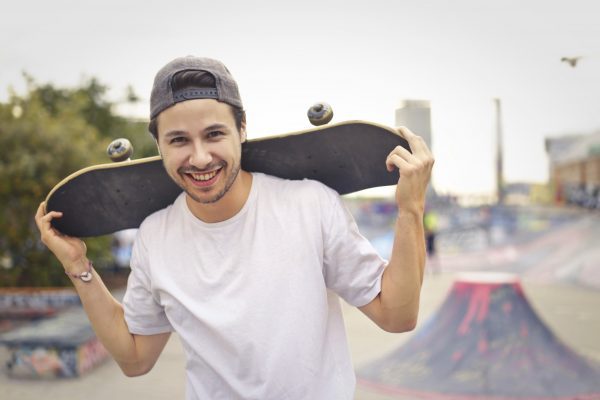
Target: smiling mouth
204,178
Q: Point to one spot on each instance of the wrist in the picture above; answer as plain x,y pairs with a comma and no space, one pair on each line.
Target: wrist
81,271
406,212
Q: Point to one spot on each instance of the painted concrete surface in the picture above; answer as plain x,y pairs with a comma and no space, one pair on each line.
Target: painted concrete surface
62,346
485,341
569,311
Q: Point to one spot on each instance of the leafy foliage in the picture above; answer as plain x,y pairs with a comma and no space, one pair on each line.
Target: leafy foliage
45,135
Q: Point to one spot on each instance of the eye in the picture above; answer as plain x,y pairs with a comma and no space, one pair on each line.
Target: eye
177,140
214,134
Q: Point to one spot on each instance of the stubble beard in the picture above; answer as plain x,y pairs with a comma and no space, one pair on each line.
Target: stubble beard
228,184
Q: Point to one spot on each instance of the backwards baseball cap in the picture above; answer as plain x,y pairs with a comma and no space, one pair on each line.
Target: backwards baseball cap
163,96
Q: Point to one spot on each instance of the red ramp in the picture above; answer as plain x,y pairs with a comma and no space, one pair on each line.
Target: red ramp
484,342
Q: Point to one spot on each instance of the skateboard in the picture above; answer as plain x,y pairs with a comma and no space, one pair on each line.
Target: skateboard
347,156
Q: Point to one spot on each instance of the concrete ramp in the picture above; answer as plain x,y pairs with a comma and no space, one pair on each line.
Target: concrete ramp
484,342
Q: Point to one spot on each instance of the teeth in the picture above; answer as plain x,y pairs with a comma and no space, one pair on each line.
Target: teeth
204,177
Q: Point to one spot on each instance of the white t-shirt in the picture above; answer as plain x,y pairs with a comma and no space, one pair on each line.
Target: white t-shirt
254,298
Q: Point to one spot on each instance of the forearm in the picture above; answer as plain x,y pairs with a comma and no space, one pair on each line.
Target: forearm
397,306
134,354
403,277
106,316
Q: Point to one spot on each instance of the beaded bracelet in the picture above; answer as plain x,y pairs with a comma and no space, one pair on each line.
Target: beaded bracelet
84,276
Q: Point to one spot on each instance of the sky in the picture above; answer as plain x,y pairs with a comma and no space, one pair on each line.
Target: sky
362,57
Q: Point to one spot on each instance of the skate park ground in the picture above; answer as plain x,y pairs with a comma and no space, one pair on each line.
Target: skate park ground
570,311
559,272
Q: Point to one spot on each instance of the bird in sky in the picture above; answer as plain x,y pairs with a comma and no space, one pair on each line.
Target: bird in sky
572,61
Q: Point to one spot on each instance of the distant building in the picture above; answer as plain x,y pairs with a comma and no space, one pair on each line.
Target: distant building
525,193
416,116
575,169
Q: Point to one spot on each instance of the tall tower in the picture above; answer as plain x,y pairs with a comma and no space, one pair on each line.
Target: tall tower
416,116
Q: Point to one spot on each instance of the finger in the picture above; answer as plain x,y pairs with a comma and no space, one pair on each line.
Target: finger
406,155
402,152
406,133
395,161
39,215
45,222
50,216
41,210
407,162
416,142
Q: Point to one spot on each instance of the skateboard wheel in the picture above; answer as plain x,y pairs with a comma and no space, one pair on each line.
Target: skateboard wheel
320,114
119,150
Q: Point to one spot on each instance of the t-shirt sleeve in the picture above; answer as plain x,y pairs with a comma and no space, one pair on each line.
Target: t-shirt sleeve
352,266
143,313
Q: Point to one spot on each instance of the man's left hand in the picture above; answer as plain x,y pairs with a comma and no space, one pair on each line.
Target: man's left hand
414,169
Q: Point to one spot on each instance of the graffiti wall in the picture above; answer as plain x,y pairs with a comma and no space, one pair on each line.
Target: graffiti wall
55,362
62,346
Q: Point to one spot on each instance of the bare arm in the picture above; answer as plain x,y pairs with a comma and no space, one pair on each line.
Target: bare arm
396,307
135,354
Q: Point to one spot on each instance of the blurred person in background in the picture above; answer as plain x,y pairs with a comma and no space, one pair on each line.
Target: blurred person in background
430,224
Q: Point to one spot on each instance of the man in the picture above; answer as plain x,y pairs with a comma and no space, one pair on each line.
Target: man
245,267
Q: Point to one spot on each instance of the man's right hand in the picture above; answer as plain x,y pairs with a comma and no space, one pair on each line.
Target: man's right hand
70,251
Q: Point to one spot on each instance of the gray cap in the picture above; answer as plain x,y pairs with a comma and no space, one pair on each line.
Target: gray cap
163,96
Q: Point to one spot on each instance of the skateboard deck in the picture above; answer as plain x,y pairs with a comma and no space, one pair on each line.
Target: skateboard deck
102,199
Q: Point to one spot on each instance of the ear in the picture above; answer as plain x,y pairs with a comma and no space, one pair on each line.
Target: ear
243,132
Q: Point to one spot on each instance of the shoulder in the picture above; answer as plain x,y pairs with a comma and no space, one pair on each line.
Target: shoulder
309,200
303,190
158,220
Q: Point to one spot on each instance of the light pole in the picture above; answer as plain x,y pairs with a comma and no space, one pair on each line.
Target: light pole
499,154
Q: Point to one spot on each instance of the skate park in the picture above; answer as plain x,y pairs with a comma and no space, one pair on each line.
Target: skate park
546,258
508,311
509,303
521,280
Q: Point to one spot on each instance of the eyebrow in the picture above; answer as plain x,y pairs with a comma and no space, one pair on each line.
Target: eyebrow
174,133
216,126
178,132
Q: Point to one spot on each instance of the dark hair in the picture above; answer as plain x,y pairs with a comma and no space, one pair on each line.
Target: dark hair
197,79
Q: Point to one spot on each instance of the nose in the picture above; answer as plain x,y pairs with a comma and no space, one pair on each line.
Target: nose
201,156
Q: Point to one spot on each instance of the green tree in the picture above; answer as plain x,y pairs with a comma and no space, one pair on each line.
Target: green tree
45,135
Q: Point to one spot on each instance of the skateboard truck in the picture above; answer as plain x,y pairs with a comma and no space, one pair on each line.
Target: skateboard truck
320,114
120,150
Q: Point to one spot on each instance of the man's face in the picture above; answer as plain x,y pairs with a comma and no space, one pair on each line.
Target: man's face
201,148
